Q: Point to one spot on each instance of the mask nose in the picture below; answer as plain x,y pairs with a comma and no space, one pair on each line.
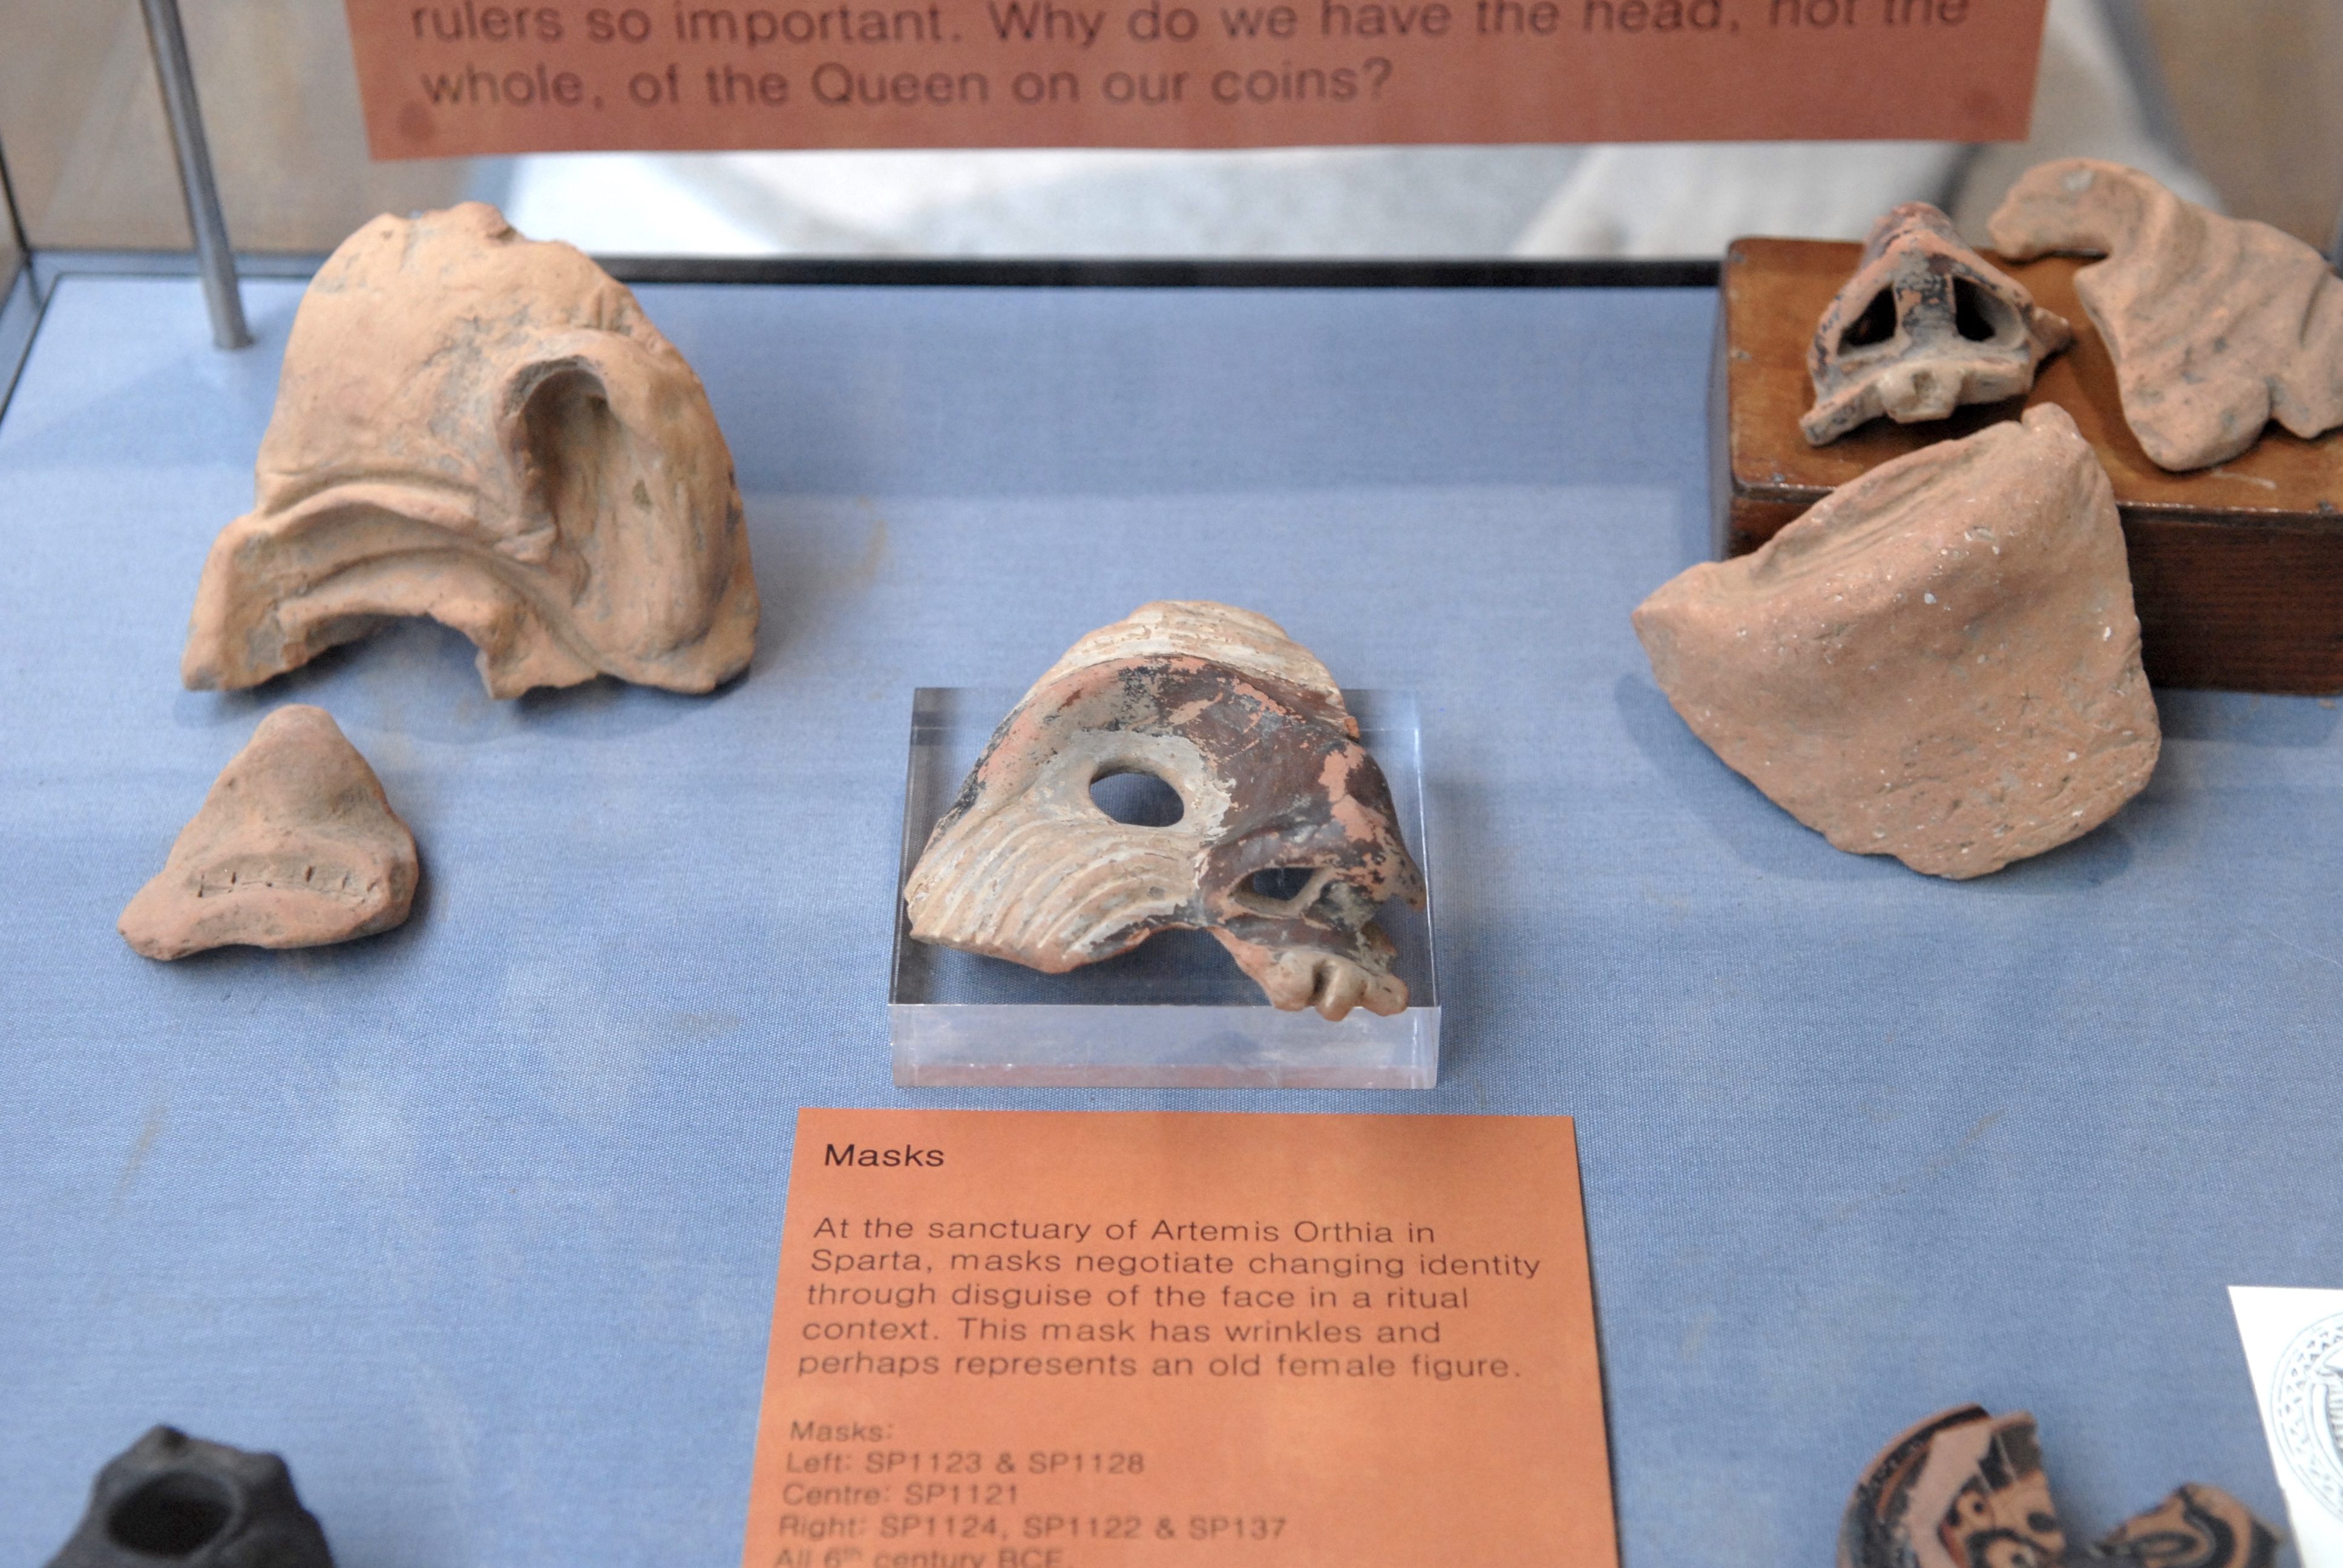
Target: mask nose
1919,392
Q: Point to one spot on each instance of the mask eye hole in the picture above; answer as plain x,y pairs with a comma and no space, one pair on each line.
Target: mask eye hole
1280,884
1977,316
1875,325
1136,799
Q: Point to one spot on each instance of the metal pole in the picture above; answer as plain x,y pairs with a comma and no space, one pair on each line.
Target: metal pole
214,259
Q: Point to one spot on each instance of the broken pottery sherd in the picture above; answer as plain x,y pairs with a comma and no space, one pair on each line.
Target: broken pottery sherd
1939,661
294,846
172,1498
2216,325
2196,1527
1286,845
483,430
1961,1490
1924,326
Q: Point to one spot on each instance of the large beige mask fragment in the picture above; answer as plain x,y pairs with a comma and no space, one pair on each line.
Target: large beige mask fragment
2216,325
295,847
1939,661
483,430
1286,845
1924,326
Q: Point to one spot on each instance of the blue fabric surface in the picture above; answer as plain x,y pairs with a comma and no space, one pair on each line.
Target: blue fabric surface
477,1221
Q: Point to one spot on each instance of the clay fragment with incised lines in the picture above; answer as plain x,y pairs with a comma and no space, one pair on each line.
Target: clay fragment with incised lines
485,430
1286,843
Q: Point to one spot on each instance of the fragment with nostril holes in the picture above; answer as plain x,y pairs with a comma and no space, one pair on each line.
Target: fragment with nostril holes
1924,326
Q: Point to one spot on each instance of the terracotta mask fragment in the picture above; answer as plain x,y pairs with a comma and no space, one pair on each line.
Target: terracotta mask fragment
1924,326
2216,325
1286,845
1939,661
295,846
483,430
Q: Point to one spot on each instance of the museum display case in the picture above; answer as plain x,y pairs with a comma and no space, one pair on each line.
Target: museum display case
1172,1013
475,1218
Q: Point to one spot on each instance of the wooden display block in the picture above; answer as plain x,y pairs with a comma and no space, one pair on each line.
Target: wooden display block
2236,570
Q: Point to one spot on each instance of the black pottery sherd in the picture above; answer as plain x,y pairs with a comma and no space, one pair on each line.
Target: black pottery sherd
172,1498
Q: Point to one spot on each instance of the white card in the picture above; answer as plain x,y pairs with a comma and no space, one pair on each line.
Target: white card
2294,1348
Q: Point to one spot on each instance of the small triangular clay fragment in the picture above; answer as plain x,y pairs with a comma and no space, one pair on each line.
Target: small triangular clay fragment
1939,661
1960,1489
2216,325
1924,326
172,1498
295,847
2198,1526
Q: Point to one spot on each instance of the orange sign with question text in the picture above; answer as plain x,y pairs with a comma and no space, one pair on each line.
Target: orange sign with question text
466,78
1076,1339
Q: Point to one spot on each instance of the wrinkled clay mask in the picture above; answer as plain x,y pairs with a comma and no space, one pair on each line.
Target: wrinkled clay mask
484,429
1285,846
1924,326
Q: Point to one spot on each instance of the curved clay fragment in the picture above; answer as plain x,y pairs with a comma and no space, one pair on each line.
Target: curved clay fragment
2196,1527
1924,326
1939,661
295,847
483,430
1287,841
1961,1490
2216,325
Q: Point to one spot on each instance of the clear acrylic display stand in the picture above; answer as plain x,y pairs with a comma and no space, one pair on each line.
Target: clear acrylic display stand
1174,1012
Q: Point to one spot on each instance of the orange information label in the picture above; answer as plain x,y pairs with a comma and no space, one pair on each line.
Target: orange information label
453,77
1042,1340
